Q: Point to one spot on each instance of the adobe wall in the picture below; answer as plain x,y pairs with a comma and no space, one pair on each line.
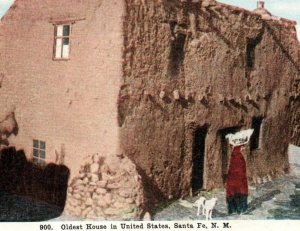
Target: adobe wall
295,105
236,93
71,105
152,129
160,108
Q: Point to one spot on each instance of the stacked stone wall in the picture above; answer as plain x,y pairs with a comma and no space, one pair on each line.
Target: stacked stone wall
107,188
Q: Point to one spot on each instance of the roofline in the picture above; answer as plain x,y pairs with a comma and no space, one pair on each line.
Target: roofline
275,18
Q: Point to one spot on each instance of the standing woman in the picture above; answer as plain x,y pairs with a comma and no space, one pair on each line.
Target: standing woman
237,185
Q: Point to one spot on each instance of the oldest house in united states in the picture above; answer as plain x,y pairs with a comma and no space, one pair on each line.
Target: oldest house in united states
161,82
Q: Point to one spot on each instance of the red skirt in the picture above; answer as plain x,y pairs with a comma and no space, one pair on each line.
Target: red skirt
237,175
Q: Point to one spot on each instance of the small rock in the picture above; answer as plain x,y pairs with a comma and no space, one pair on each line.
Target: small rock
162,94
91,215
78,188
78,182
94,177
70,190
77,196
92,184
120,205
269,177
105,176
94,168
102,203
96,158
86,211
124,194
95,196
129,201
76,211
89,201
88,175
102,183
111,211
101,191
114,186
88,195
107,198
82,175
176,95
92,187
138,201
73,202
265,179
259,181
86,180
147,217
104,168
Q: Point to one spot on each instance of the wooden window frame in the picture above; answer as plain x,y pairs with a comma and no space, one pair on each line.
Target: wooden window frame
38,160
62,37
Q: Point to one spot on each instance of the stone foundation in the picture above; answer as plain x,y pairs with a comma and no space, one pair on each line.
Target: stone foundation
108,188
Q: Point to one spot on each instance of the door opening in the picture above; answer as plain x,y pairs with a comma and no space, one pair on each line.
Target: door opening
198,159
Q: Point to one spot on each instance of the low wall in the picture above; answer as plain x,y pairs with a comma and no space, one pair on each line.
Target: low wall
106,188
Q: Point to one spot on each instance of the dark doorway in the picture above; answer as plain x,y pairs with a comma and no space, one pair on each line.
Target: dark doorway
256,136
224,148
198,159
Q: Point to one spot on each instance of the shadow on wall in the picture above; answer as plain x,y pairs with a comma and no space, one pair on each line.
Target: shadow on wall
37,187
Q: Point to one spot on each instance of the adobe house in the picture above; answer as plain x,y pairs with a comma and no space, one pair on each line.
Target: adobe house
160,82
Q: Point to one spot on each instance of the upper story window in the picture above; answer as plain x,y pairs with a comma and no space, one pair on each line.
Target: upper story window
177,54
62,41
251,51
251,54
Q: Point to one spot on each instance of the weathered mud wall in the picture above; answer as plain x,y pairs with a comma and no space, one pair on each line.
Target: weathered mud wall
210,66
152,128
217,69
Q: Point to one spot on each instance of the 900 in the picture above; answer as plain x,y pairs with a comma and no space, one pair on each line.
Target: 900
45,227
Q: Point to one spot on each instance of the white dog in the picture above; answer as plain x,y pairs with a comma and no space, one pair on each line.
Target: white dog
200,203
209,206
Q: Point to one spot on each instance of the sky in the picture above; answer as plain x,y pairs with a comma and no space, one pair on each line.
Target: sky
283,8
4,5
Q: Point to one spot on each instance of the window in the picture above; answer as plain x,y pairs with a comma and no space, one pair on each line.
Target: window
177,54
256,137
250,52
250,55
39,152
62,42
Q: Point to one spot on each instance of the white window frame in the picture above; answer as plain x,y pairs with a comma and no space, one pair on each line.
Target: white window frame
61,51
39,152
